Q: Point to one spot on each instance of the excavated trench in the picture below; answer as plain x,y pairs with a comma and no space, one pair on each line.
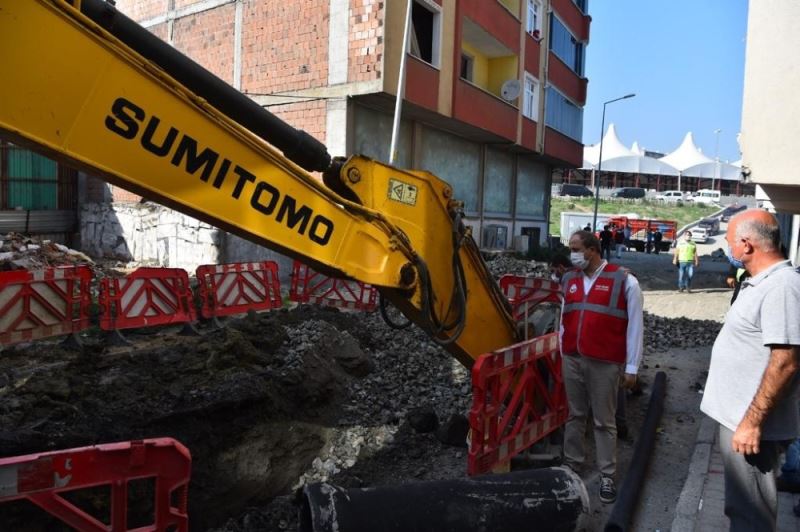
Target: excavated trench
265,404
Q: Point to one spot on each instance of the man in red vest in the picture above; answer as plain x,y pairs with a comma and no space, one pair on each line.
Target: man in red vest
601,343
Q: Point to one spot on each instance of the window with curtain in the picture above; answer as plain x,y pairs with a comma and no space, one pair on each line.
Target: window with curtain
566,46
530,102
563,115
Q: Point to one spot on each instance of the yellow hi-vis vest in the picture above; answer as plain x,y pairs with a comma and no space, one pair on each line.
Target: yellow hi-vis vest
686,251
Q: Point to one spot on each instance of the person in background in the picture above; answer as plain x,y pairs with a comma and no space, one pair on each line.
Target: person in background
619,241
752,387
559,265
606,239
601,334
588,228
657,238
628,233
686,259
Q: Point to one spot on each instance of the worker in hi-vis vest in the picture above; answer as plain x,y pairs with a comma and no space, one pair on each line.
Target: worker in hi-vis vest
601,346
685,258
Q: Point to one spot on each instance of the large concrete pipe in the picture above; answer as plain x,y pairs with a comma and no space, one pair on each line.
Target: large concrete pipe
629,491
552,499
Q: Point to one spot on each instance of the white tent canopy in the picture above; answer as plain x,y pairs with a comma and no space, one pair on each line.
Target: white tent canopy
612,148
686,156
638,164
618,158
727,172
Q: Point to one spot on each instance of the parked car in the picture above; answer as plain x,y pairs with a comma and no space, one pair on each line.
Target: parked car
671,196
706,196
699,234
730,210
711,224
628,192
574,190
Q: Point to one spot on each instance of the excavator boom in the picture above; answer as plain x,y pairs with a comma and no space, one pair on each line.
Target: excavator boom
89,87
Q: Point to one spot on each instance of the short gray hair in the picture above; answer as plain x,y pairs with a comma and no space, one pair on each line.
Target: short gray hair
766,235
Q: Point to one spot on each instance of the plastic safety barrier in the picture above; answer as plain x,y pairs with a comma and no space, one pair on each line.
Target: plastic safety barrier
43,303
146,297
227,289
41,478
518,399
525,292
309,286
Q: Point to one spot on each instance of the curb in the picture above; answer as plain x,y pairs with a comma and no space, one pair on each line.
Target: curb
689,501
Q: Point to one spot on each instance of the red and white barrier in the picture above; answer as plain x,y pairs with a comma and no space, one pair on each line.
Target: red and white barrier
227,289
43,303
518,399
309,286
146,297
525,292
40,478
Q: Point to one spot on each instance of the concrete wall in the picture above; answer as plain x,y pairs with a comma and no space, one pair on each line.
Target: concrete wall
147,235
151,235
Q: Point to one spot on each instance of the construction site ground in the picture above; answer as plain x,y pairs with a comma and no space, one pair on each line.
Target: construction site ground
277,400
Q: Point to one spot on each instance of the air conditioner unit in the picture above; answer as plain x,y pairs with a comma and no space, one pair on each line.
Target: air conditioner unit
495,236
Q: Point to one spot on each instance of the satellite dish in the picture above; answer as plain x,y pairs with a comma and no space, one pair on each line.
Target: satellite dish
510,90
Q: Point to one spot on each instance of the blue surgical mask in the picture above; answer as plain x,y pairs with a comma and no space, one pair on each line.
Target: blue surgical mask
736,263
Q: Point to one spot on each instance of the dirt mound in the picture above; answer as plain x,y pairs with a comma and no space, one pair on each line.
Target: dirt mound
265,405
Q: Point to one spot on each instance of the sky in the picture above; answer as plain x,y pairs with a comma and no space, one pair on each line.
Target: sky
684,59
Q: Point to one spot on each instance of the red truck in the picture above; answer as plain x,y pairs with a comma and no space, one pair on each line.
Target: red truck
640,227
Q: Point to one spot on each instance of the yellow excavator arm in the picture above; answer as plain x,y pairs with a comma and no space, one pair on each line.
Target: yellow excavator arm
85,85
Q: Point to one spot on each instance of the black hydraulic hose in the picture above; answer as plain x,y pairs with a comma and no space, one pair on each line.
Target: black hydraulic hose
629,491
551,499
296,144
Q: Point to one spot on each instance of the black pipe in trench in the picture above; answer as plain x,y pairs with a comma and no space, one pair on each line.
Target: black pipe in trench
628,496
552,499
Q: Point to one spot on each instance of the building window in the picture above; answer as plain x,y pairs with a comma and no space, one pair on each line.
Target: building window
455,160
424,38
530,101
566,46
497,183
534,21
532,189
563,115
467,67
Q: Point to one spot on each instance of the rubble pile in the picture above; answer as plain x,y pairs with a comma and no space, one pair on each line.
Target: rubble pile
503,264
21,252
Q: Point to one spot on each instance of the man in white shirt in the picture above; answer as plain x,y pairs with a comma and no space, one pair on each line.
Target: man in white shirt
601,343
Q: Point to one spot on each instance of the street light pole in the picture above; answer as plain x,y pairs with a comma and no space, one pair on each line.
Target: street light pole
716,159
600,160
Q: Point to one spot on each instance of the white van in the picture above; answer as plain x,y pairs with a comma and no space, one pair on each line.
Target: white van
706,196
670,196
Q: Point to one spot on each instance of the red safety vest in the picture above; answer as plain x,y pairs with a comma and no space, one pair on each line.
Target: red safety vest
596,324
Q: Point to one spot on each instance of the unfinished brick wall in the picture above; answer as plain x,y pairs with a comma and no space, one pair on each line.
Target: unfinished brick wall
366,40
208,38
309,116
284,45
143,9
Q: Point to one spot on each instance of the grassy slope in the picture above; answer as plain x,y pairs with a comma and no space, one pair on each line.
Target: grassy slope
645,209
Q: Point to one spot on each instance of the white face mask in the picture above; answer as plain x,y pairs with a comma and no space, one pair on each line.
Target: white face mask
578,260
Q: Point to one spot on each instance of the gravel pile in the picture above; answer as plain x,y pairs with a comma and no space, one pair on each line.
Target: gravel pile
504,264
663,334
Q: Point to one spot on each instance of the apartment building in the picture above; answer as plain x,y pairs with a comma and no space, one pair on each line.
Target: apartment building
494,89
